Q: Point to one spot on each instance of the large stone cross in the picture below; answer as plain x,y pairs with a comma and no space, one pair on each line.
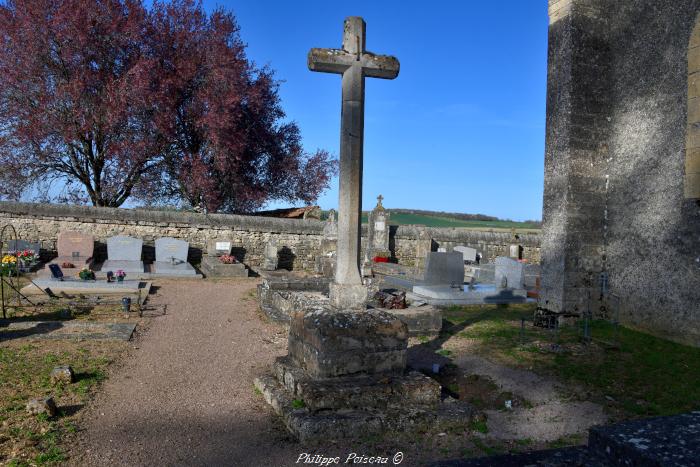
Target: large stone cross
354,63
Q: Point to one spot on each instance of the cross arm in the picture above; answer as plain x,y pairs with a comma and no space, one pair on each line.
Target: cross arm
330,60
380,66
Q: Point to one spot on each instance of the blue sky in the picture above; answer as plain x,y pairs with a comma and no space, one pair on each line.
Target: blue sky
462,127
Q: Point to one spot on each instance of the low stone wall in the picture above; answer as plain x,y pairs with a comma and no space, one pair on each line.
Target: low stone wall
299,240
490,244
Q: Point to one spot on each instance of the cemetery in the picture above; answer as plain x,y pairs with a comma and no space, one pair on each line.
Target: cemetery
175,337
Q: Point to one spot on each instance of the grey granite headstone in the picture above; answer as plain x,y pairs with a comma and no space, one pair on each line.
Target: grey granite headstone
21,245
171,258
511,270
442,268
468,253
124,253
169,249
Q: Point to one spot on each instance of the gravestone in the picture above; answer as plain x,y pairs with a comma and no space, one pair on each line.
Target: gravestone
514,251
22,245
270,256
75,248
212,266
171,258
510,270
468,253
218,247
378,231
442,268
124,253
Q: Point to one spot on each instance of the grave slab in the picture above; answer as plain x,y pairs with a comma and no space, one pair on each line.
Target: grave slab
480,294
124,253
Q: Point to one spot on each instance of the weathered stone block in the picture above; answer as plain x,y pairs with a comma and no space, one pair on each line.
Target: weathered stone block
327,343
62,374
361,393
348,296
420,320
42,406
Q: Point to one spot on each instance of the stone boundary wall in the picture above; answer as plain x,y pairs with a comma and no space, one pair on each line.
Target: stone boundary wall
299,240
404,241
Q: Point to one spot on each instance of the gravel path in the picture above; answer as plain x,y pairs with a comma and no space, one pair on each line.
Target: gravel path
184,395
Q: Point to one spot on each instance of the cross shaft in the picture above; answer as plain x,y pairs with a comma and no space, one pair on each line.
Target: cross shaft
354,63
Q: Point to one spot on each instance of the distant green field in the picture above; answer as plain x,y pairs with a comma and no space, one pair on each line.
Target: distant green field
438,221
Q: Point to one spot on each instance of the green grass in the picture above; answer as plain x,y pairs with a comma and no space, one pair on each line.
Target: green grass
400,218
643,374
298,404
25,374
479,426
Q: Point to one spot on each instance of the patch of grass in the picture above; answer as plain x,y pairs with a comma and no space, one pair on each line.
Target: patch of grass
298,404
479,426
487,449
257,391
50,456
564,441
24,375
444,352
644,374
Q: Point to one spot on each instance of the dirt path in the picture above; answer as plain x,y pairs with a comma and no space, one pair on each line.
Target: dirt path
550,417
184,396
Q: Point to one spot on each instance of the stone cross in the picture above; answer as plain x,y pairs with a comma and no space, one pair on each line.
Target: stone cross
380,198
354,63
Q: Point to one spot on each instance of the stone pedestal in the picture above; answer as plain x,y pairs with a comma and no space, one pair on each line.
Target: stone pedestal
345,377
327,343
348,296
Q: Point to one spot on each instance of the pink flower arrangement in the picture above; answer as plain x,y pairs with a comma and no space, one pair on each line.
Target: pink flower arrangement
228,259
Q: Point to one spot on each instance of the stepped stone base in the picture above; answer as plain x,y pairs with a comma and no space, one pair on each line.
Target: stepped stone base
310,425
345,377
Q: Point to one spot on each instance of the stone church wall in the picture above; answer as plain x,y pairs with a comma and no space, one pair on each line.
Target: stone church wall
615,162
